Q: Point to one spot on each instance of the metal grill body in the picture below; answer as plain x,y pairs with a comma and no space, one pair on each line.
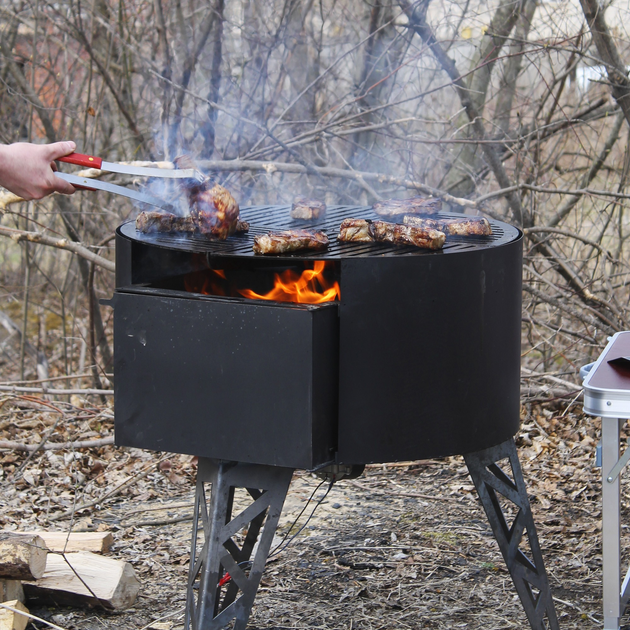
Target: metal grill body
420,358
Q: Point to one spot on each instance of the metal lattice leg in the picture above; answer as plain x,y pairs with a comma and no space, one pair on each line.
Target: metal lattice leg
527,569
223,573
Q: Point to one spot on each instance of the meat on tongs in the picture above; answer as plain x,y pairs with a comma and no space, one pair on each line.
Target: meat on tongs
165,222
154,221
360,230
212,207
283,242
413,205
471,226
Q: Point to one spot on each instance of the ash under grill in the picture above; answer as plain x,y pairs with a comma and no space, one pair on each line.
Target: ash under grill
265,218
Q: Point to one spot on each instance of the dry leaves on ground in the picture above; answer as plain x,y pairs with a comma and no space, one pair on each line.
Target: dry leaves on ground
402,546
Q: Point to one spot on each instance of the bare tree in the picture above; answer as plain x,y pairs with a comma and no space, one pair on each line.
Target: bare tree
503,108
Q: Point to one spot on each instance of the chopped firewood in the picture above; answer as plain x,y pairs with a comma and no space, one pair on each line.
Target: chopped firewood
12,619
283,242
473,226
11,589
413,205
105,581
97,542
407,235
22,557
355,230
307,209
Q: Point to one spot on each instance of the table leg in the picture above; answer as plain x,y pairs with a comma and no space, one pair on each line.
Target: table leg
611,525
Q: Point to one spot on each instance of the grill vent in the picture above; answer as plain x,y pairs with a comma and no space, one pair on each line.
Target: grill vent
265,218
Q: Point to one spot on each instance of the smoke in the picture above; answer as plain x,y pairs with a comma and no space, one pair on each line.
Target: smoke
166,189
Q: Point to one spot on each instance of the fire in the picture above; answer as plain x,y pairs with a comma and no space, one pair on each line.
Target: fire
208,285
309,287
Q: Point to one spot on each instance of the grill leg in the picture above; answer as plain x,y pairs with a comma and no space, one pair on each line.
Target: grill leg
220,599
526,567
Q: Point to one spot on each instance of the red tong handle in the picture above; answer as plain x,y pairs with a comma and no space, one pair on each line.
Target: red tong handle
90,161
79,187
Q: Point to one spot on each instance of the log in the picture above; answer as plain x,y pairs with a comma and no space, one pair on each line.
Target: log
11,589
97,542
12,620
113,582
22,556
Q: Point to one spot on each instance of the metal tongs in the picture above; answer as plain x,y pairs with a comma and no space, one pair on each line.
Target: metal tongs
91,161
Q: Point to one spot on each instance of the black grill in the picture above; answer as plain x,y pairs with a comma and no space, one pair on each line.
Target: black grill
420,357
265,218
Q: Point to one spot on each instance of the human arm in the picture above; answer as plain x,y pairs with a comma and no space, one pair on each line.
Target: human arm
27,170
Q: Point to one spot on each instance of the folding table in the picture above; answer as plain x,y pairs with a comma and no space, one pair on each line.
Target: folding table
607,395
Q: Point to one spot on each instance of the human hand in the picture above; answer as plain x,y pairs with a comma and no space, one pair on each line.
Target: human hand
27,170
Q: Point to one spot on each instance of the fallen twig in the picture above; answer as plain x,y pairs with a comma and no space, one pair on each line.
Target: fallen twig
172,614
548,377
15,475
162,521
50,379
119,488
411,495
56,446
21,612
57,392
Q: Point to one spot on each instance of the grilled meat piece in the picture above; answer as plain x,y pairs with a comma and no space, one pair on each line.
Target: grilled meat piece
407,235
413,205
214,210
212,207
308,209
241,227
283,242
355,230
154,221
475,226
149,222
359,230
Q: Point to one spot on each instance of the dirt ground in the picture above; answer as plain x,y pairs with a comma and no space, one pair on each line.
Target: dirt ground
405,545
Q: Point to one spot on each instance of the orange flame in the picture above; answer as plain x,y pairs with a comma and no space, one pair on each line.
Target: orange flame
309,287
208,285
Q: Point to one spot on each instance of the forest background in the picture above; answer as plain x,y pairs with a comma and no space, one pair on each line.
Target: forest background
510,109
518,110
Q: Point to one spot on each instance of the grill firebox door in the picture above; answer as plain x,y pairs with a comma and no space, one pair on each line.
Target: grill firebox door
238,380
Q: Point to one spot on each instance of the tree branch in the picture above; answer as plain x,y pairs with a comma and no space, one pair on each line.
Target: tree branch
417,21
615,68
329,171
589,176
60,243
